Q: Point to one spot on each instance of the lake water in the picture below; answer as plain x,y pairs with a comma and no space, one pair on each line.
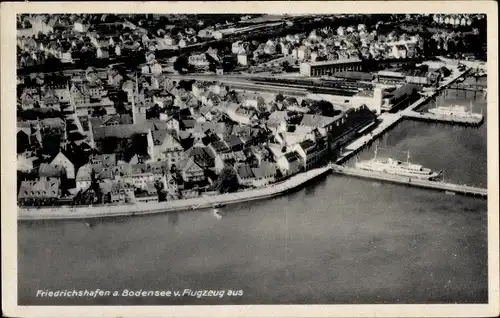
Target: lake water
340,241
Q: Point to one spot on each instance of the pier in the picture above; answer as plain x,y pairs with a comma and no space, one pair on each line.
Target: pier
468,121
449,188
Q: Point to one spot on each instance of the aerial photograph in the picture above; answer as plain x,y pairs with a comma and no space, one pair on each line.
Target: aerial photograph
251,159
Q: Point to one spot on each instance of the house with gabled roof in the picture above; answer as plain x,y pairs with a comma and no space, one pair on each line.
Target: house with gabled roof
320,121
312,153
123,140
202,156
222,154
287,160
107,160
244,174
264,173
39,191
47,170
234,142
167,147
60,160
84,177
190,170
78,96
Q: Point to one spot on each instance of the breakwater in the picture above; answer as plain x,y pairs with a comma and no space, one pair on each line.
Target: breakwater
99,211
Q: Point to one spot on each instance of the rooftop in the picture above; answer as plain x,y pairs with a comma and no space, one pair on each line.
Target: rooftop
334,62
119,131
42,188
320,121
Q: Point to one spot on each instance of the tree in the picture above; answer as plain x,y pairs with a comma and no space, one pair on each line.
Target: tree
99,112
227,180
95,189
279,98
279,174
181,64
153,112
160,191
326,108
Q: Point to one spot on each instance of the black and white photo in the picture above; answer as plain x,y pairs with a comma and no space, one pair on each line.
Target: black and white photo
253,158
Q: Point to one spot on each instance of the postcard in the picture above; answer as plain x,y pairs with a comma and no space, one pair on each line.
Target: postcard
238,159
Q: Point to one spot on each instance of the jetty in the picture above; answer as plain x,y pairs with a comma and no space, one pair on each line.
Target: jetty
203,202
468,121
421,183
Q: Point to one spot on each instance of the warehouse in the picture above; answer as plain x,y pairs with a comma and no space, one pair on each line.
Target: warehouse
418,76
354,76
323,68
398,96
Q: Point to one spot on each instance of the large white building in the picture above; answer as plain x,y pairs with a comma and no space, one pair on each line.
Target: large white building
313,69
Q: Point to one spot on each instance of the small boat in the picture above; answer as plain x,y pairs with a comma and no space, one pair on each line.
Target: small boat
456,111
217,213
449,192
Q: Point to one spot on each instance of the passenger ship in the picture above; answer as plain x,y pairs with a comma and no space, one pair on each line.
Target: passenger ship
392,166
456,111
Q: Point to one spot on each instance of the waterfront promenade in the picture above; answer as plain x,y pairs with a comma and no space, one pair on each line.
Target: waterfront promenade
434,185
98,211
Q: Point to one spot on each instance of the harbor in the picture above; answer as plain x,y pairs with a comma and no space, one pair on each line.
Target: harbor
388,120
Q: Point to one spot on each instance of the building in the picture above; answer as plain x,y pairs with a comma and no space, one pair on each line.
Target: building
222,154
419,77
80,26
290,163
398,96
47,170
167,147
264,174
242,57
123,140
199,61
38,192
320,122
314,69
245,175
312,153
60,160
102,53
303,53
120,192
390,77
84,177
190,170
399,51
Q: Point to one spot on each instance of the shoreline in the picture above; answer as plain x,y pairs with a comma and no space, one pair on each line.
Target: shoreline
134,209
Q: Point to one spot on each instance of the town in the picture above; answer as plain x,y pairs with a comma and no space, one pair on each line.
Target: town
117,109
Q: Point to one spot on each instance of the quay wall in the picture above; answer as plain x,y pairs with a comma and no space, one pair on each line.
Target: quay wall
99,211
